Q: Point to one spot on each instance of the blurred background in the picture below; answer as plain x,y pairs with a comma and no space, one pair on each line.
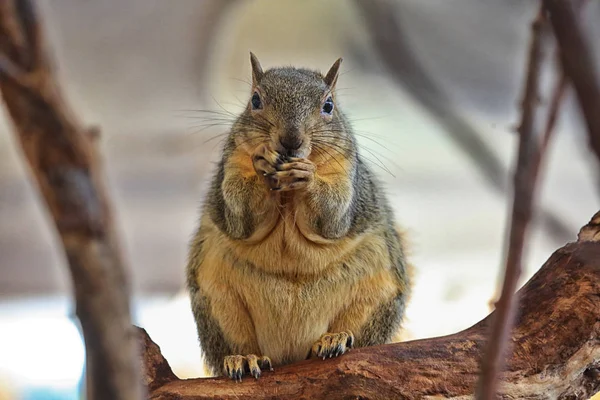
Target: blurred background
432,87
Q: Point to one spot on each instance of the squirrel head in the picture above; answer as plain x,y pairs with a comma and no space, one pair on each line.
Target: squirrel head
293,108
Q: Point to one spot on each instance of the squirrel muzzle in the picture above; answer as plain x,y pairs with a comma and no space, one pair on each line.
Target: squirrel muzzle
293,143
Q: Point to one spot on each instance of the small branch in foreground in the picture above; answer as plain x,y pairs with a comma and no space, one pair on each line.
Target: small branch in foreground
524,189
63,161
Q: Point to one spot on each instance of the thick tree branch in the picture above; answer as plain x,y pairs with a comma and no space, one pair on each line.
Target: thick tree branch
62,160
578,63
556,350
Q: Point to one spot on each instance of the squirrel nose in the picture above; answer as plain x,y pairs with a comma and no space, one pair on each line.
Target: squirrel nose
291,142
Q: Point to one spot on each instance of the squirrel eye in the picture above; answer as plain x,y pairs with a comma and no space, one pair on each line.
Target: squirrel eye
256,102
327,106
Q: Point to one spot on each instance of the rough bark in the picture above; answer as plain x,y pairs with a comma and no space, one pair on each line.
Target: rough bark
63,162
555,350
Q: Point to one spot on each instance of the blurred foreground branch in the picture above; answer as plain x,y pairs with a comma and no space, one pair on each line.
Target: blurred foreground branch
556,351
578,63
61,156
393,47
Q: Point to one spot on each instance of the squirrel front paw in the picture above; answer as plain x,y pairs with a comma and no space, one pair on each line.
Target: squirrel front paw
282,173
333,344
236,366
292,174
265,160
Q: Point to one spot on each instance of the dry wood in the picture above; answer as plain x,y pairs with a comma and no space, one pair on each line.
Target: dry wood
556,351
61,156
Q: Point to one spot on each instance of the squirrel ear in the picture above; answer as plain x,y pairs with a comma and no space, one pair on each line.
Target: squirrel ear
331,77
257,71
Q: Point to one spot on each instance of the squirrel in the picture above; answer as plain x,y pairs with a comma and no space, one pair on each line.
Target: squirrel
296,254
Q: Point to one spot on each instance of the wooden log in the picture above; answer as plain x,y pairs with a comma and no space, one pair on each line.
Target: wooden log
555,350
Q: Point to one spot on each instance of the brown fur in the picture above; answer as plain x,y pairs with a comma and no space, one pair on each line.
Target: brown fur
289,249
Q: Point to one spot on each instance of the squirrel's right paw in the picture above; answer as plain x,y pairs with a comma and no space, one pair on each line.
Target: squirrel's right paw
265,160
236,366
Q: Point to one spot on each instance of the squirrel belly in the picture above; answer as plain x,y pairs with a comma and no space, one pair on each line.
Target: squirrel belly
281,314
297,251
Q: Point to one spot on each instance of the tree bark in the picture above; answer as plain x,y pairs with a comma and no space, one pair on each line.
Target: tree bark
63,161
555,350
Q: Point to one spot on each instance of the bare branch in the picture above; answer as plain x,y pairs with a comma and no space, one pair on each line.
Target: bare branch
64,163
557,98
524,189
578,63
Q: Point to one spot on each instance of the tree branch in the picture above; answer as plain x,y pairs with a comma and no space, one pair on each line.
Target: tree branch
556,350
525,182
578,63
558,94
64,163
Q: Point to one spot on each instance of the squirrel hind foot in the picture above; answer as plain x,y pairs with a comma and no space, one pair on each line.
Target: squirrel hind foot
236,366
333,344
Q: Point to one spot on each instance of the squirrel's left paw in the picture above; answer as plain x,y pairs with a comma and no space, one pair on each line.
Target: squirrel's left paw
333,344
292,174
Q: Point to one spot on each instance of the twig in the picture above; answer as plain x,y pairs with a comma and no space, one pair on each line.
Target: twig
578,63
392,45
63,160
524,189
558,95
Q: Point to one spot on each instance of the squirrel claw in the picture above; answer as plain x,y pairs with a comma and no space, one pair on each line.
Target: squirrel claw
333,344
236,366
